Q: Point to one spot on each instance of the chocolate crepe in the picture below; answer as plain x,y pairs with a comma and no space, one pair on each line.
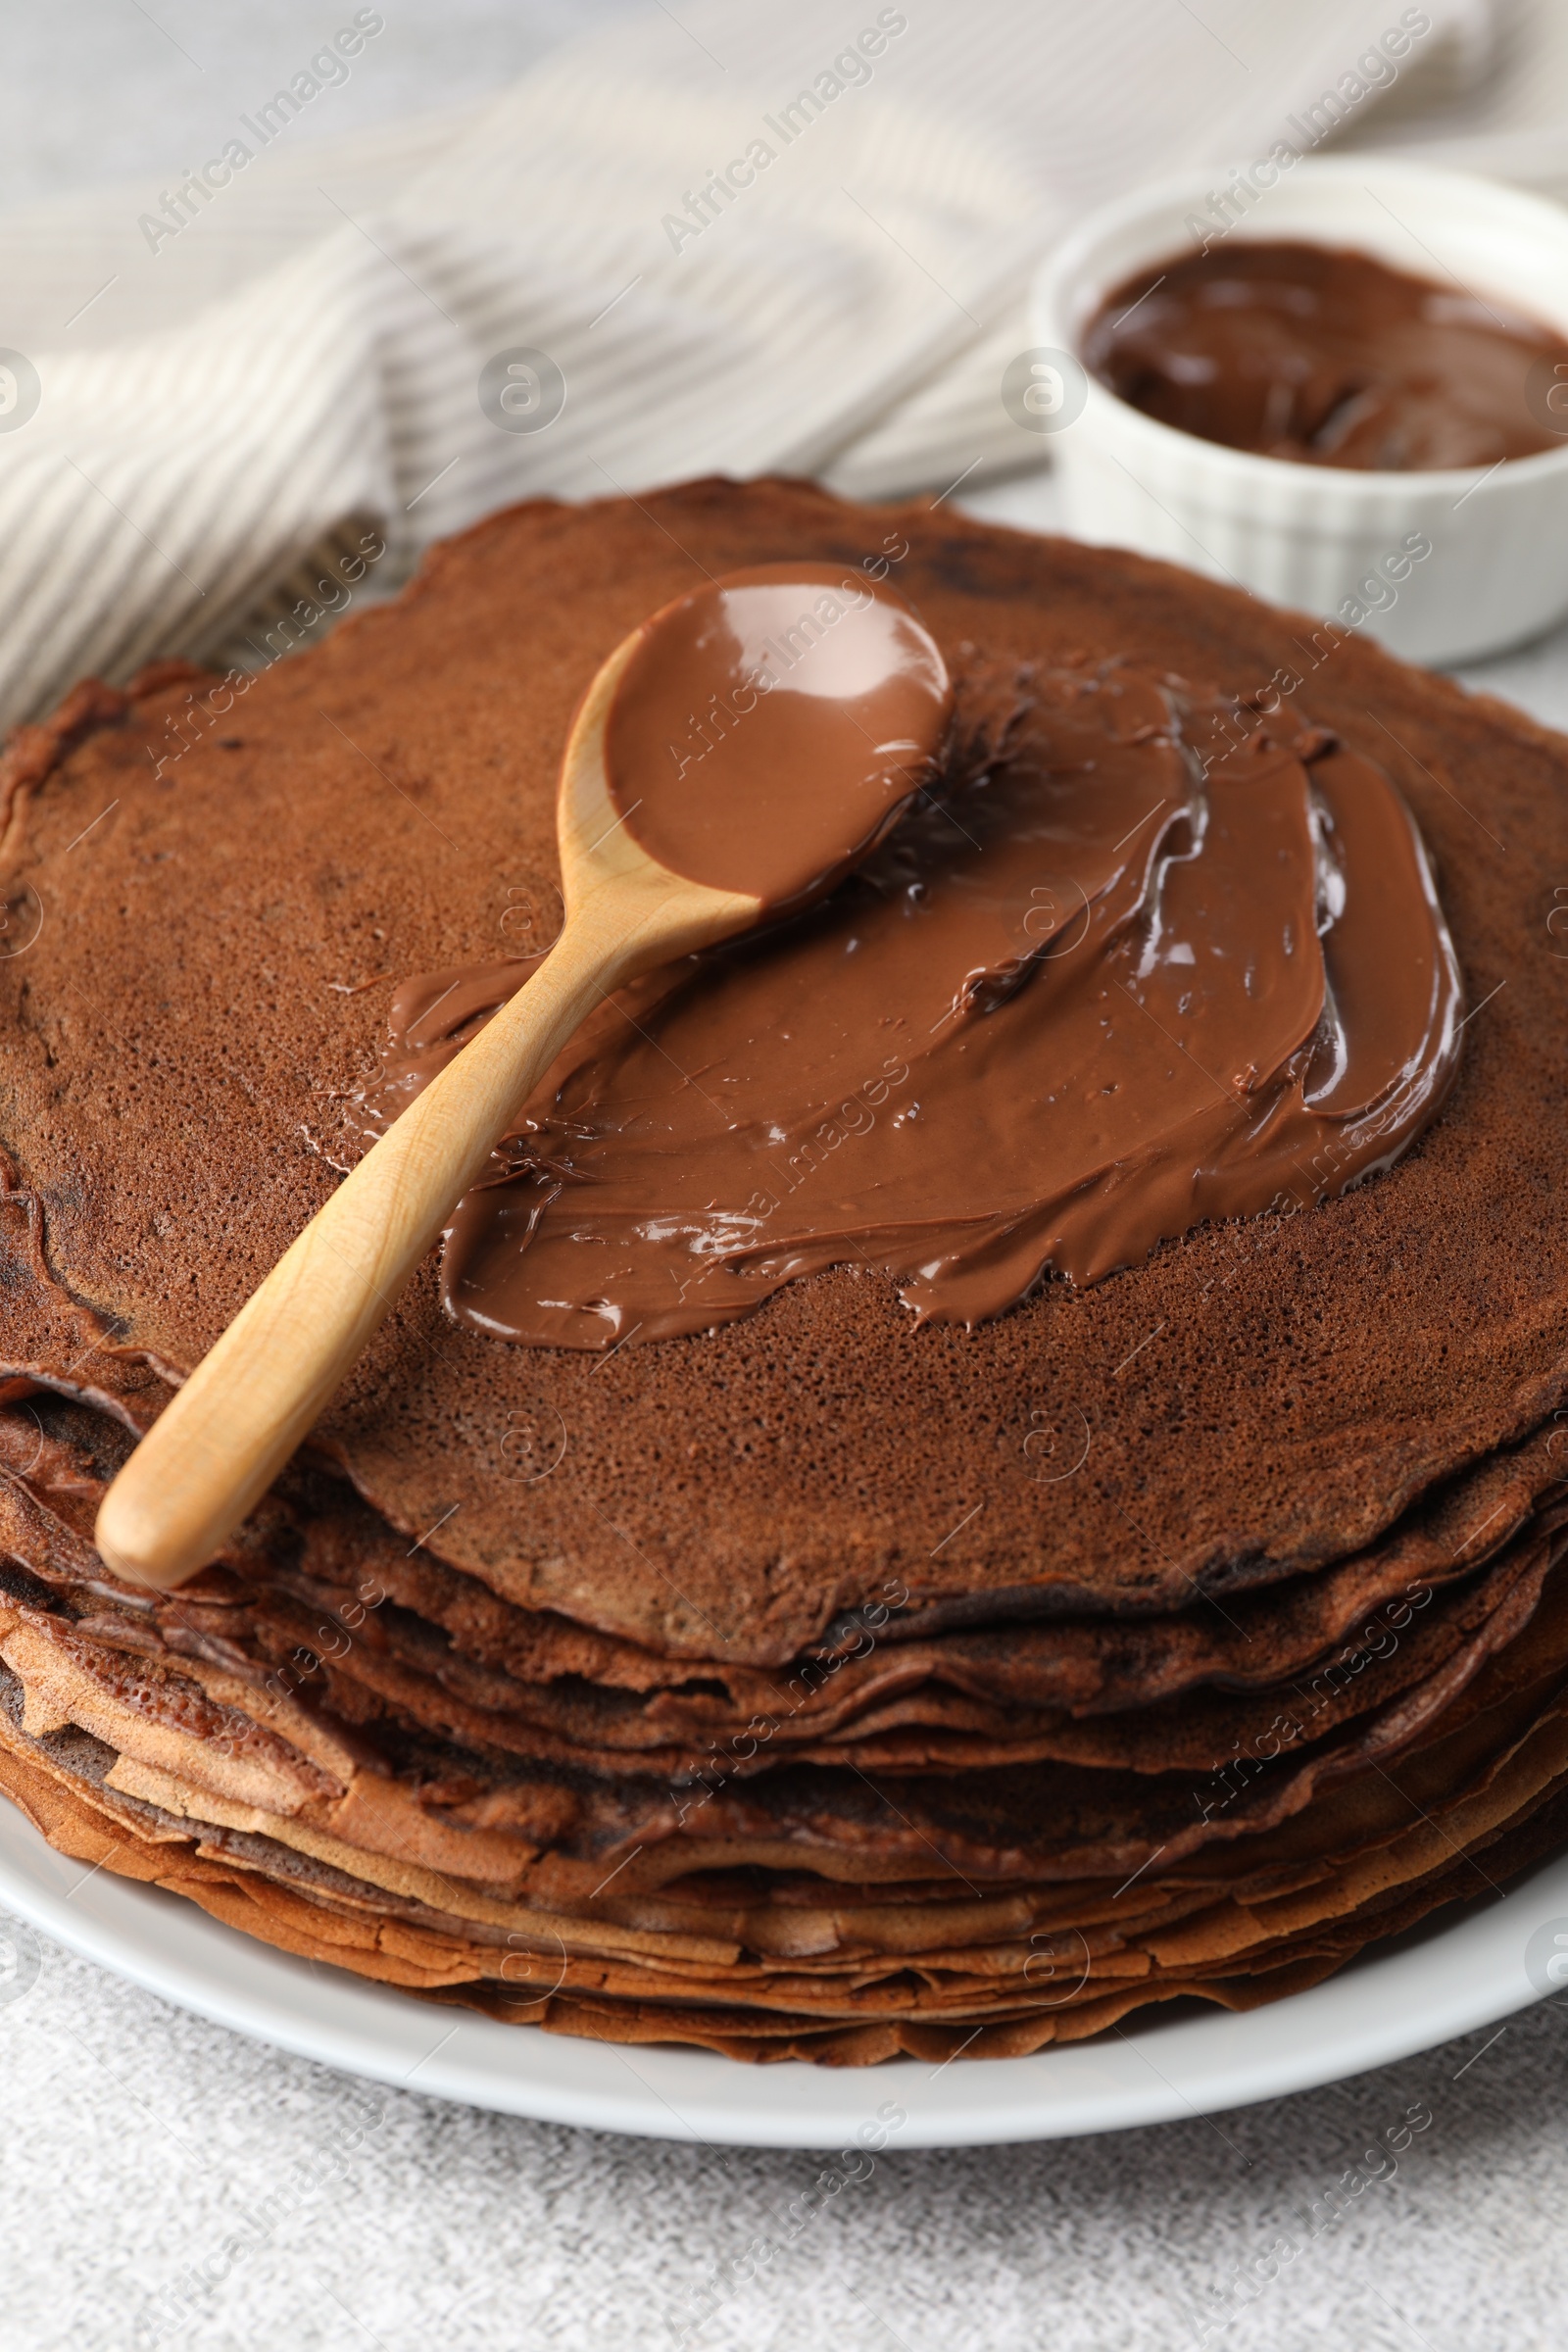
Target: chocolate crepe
825,1685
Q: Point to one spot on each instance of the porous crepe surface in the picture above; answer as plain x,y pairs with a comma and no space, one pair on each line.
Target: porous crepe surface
177,1039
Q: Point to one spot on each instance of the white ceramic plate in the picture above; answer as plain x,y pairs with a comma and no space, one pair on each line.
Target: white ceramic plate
1406,1998
1384,2007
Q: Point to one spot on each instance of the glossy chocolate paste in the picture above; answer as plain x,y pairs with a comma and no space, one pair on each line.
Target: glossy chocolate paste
769,726
1324,356
1156,961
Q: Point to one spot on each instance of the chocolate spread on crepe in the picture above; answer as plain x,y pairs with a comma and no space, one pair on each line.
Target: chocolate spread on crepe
1324,356
770,726
1129,978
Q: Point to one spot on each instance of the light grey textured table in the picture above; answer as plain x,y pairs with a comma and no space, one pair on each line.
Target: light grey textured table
139,2141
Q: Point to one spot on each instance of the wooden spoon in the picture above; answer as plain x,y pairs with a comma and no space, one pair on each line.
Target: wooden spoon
228,1432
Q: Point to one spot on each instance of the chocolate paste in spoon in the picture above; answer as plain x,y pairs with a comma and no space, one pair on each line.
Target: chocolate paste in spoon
1324,356
768,726
1161,963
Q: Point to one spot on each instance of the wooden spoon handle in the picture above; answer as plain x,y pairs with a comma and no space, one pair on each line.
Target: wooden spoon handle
226,1433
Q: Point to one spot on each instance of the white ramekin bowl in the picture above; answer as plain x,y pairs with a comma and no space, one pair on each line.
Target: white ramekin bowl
1326,540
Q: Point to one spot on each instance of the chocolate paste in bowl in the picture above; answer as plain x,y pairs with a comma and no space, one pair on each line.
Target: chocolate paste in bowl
1324,356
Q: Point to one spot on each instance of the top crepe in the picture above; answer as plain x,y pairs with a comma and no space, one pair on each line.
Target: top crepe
1258,1398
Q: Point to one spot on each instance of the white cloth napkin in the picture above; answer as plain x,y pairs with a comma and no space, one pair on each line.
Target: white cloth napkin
296,357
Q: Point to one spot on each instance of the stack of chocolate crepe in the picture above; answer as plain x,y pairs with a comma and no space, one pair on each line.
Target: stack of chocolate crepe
792,1579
